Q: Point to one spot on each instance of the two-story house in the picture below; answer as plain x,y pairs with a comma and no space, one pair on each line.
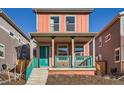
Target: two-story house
11,36
109,45
62,36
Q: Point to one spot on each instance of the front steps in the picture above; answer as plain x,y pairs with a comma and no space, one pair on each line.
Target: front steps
38,77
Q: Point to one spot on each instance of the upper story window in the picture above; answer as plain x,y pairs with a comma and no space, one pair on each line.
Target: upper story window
70,23
2,51
11,34
54,23
100,41
108,37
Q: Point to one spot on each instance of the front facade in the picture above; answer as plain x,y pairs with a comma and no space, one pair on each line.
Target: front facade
10,37
109,45
62,41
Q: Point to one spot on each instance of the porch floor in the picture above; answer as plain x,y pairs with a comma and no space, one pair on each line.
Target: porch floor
87,69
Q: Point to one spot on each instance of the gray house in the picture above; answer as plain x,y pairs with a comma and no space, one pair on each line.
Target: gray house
109,45
10,38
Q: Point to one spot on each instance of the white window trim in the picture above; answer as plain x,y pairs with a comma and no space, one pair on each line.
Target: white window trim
100,38
115,55
4,52
59,22
67,50
13,34
106,38
75,22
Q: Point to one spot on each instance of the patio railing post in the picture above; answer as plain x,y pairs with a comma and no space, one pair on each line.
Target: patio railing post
93,59
31,48
53,52
72,51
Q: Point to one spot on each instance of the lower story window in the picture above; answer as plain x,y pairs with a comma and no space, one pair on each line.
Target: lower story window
117,54
79,50
79,53
62,53
2,51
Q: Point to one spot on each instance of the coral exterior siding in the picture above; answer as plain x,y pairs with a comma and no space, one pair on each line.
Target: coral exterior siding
44,21
71,72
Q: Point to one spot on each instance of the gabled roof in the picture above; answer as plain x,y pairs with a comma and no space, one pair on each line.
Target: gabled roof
67,10
117,17
3,15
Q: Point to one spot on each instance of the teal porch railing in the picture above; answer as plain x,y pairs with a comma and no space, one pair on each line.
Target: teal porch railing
79,62
83,62
31,65
35,62
28,70
63,61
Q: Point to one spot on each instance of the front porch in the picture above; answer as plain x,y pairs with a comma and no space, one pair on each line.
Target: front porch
62,50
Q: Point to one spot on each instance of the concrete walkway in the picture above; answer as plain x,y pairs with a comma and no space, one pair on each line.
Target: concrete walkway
38,77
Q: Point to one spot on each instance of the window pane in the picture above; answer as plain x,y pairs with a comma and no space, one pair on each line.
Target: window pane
79,50
1,51
1,48
62,50
70,20
70,27
117,58
54,19
11,33
117,52
56,27
1,54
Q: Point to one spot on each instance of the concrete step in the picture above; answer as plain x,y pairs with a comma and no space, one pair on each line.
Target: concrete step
38,77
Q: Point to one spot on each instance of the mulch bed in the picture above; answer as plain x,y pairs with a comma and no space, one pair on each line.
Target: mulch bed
81,80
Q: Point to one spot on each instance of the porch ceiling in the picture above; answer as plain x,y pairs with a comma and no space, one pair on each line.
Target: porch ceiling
62,37
63,34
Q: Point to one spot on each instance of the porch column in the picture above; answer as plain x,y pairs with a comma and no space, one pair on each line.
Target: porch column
31,48
72,51
52,51
93,52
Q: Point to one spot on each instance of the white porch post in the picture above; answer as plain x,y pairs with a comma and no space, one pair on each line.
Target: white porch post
72,51
52,51
94,52
31,49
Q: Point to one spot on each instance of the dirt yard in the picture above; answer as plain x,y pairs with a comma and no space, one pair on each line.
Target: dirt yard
5,78
81,80
18,82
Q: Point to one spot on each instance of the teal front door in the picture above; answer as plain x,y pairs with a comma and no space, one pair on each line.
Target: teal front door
44,56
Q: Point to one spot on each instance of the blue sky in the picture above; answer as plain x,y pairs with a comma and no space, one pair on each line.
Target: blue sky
26,20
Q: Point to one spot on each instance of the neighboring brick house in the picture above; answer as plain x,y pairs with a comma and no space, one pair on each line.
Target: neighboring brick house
109,45
10,38
62,36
